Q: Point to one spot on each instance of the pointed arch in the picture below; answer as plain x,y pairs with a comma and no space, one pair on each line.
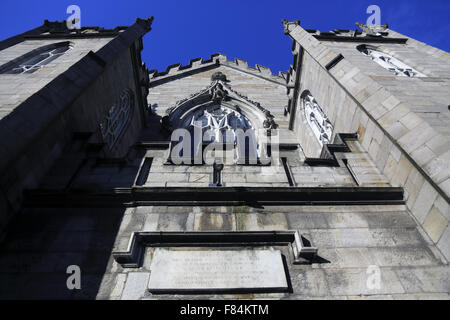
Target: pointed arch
219,93
118,118
223,116
389,62
316,118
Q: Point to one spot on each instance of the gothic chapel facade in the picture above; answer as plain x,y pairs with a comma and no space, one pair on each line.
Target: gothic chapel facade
307,182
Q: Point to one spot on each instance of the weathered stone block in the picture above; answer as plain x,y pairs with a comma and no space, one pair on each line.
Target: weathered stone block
424,201
136,285
435,224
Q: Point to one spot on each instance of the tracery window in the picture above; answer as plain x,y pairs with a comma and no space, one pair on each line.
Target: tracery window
220,124
118,118
36,59
390,63
316,118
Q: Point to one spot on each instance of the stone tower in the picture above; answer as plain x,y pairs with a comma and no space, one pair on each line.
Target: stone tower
216,179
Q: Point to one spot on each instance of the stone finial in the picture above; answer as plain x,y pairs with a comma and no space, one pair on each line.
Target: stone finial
218,93
146,23
373,30
289,25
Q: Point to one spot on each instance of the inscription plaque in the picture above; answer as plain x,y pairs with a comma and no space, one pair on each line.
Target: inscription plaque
217,271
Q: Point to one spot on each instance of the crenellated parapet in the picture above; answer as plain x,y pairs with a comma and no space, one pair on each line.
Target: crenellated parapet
199,64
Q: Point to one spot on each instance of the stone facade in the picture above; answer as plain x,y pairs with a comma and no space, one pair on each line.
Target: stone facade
59,106
375,197
402,122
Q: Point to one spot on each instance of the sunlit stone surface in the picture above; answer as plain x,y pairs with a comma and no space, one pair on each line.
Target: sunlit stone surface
212,270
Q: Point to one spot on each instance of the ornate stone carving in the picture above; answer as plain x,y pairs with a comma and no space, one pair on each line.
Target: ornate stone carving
390,63
373,30
219,76
220,120
118,118
217,93
317,120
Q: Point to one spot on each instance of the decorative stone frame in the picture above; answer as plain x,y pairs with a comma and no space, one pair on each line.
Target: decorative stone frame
389,62
131,257
219,94
43,56
118,118
316,118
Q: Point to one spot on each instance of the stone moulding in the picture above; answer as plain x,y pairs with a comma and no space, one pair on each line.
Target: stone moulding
371,39
327,157
132,256
204,196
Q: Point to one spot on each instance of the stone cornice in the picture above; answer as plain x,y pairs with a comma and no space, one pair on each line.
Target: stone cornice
229,196
130,256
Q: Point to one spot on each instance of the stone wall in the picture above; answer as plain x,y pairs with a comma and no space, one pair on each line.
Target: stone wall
410,150
16,88
270,95
350,240
46,109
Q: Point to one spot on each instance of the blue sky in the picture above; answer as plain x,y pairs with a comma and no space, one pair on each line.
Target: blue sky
249,30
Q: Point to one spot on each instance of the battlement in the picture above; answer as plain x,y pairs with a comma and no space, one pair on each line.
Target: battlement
215,60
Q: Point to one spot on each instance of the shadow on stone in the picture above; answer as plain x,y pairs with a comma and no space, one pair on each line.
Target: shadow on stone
43,243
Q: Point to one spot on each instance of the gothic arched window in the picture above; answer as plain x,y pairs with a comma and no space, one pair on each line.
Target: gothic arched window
118,118
222,125
316,118
389,62
222,122
36,59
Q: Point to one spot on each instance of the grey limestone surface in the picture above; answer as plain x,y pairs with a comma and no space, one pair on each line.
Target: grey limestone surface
402,123
176,271
378,251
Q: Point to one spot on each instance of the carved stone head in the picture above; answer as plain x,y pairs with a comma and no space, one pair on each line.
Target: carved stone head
219,76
